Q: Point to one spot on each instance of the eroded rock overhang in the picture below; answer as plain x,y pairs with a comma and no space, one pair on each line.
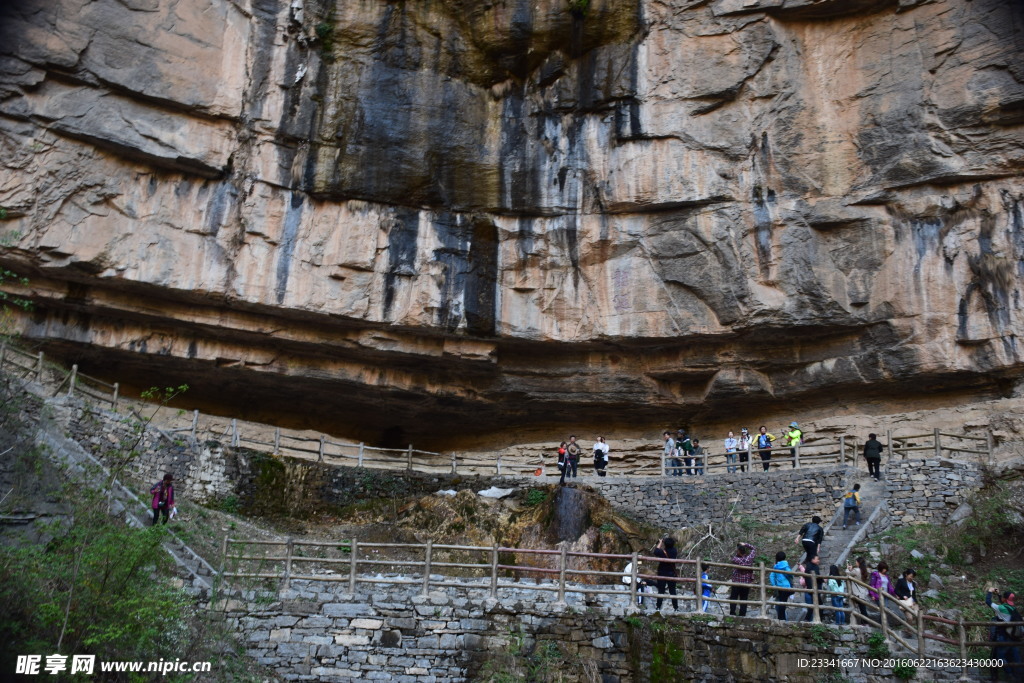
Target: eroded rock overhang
406,221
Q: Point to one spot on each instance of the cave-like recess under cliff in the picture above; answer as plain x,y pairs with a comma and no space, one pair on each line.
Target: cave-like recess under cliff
452,222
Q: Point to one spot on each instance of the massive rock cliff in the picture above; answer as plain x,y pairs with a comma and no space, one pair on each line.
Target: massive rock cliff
434,220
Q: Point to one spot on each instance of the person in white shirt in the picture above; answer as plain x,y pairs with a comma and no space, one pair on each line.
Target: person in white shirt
600,456
731,444
642,585
743,447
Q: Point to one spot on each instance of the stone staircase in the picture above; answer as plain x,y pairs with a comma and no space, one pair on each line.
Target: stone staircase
196,574
839,542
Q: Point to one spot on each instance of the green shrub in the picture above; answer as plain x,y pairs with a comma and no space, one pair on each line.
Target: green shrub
93,591
535,497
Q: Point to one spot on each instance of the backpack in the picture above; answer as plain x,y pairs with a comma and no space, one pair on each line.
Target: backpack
850,500
1015,632
763,441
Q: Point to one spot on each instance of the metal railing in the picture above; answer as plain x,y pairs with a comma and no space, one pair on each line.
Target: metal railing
496,569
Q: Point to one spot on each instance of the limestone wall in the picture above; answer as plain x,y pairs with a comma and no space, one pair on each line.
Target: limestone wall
379,218
926,491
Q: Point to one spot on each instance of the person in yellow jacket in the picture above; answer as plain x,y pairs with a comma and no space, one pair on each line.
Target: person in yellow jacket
763,444
793,436
851,504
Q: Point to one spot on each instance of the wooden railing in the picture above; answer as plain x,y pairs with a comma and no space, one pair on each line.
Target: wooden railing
936,443
494,570
843,451
33,367
322,446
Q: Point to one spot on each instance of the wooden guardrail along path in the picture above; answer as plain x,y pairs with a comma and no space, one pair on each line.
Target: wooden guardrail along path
494,569
650,463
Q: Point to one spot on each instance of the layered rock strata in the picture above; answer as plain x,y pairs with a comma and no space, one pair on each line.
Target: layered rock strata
379,218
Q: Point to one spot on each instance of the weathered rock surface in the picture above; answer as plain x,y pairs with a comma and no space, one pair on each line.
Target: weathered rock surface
378,218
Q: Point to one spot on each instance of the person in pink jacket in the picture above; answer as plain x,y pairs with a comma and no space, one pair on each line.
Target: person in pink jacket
163,498
881,584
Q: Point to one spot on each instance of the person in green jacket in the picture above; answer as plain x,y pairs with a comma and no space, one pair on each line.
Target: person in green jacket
793,436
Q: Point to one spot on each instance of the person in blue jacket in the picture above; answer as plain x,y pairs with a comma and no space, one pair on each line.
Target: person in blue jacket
705,592
782,582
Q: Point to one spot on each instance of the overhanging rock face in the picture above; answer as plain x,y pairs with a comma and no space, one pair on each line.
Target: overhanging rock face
380,217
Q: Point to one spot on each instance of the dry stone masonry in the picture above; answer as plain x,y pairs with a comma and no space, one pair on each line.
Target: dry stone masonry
927,491
780,497
316,631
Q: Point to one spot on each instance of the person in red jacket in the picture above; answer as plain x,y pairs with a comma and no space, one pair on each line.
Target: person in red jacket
163,498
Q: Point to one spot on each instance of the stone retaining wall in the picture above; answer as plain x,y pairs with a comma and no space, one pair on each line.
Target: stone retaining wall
929,489
395,633
780,496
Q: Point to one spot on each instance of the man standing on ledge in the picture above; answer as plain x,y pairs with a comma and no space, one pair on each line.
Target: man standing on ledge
763,443
672,464
873,455
572,457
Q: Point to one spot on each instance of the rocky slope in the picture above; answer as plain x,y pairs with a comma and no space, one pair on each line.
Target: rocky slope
379,218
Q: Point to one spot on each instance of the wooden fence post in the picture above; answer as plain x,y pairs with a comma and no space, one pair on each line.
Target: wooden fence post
195,423
842,450
988,445
361,446
277,440
455,464
961,634
426,566
664,465
74,376
39,367
816,597
796,456
764,591
497,465
353,561
920,631
408,458
699,587
633,581
288,564
882,615
938,447
223,564
234,433
494,571
888,437
561,574
848,601
223,554
117,392
320,453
